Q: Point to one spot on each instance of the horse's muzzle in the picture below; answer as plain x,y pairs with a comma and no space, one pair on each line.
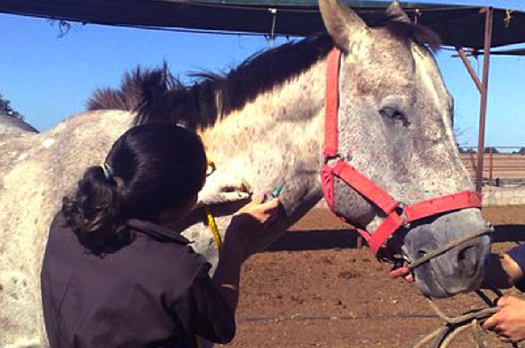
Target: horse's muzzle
460,268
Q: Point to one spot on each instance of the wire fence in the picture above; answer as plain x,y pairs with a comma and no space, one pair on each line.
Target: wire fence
502,165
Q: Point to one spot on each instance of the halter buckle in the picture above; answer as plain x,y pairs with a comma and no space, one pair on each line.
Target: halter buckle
400,210
331,157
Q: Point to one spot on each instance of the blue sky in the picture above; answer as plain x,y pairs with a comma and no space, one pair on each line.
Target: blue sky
47,78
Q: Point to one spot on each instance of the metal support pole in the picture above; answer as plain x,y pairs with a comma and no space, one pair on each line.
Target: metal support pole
469,67
491,161
484,92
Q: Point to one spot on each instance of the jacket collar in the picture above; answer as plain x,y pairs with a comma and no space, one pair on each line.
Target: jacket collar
157,232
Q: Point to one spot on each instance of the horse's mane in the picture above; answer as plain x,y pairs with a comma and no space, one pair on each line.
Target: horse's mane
213,95
158,97
126,98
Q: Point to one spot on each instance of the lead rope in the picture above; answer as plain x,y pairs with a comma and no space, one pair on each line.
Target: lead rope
218,243
213,227
455,326
214,231
448,246
452,327
399,262
211,168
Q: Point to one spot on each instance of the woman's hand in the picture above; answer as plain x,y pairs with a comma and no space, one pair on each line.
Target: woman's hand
249,226
402,272
501,271
263,211
509,321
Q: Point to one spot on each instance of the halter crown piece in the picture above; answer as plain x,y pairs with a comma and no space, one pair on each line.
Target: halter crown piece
397,214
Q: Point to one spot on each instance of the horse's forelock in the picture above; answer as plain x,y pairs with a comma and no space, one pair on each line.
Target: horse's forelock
404,29
417,33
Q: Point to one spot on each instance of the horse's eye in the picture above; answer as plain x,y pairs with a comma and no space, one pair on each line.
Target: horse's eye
394,115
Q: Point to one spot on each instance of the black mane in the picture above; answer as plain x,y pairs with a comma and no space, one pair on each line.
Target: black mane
165,99
158,97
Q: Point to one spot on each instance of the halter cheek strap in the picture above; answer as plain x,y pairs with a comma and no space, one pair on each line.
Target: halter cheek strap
397,215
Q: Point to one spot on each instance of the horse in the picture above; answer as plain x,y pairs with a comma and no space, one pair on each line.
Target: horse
263,126
13,125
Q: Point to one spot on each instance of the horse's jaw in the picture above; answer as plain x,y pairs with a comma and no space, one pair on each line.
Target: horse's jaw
457,270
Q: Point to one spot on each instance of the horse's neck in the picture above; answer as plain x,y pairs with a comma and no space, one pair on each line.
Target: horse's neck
276,138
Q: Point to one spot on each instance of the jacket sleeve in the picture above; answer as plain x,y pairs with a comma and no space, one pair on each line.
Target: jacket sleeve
202,310
518,255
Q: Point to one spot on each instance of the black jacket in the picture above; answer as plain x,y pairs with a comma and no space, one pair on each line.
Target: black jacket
155,292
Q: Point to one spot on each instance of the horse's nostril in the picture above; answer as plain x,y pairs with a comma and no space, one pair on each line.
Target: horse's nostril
467,261
465,254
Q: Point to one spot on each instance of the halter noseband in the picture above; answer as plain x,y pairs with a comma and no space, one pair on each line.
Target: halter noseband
397,215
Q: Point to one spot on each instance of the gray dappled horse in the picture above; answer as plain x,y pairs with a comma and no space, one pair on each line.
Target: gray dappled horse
263,125
12,125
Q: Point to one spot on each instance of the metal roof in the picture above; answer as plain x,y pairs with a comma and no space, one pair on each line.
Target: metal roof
457,25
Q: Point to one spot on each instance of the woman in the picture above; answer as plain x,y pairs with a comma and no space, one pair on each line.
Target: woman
115,275
504,271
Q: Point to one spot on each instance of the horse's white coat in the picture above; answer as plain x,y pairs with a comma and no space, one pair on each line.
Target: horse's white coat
276,138
48,143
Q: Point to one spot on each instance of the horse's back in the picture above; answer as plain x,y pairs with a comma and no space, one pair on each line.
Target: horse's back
12,125
36,171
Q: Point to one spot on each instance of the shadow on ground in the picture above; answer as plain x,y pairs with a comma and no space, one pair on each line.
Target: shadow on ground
303,240
316,240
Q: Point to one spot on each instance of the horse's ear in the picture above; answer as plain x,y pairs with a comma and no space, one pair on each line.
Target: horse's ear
396,12
340,22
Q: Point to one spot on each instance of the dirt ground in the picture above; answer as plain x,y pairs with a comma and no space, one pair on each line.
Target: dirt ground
315,289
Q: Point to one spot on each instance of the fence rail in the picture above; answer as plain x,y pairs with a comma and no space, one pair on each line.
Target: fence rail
499,169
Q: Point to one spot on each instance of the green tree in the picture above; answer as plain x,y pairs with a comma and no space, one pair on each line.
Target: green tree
490,150
6,109
465,149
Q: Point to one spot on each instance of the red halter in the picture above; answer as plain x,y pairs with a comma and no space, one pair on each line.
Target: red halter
397,214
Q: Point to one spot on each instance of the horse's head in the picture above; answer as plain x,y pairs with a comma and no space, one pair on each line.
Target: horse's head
395,127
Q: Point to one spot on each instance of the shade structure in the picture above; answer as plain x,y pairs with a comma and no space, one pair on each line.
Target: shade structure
457,25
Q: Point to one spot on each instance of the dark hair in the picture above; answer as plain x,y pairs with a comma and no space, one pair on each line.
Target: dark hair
154,167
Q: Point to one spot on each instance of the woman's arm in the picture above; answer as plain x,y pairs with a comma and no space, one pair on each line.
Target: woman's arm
502,271
207,308
249,222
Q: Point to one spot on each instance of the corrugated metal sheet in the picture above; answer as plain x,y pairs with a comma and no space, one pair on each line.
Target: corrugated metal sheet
461,25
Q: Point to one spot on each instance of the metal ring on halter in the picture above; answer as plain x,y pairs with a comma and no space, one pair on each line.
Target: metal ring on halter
327,159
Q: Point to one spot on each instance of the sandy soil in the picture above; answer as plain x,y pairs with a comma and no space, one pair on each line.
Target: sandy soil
315,289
